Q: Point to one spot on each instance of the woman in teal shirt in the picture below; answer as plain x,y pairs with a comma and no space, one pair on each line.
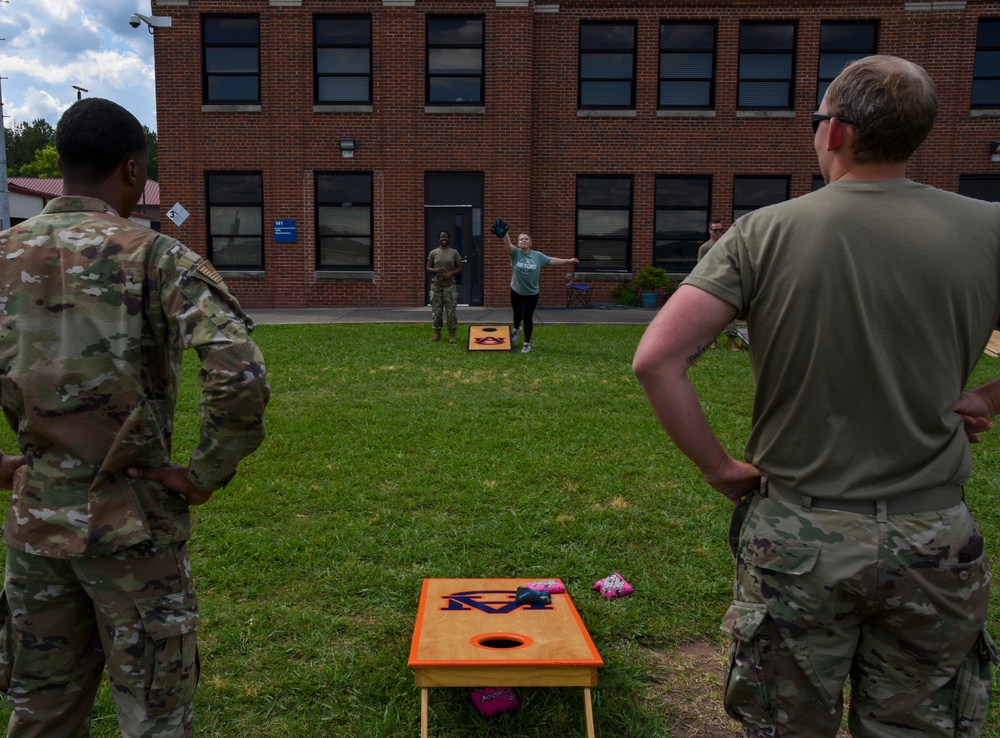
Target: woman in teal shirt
525,266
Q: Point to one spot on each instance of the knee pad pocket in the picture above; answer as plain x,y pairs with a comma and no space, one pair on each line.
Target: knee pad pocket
171,670
750,672
972,687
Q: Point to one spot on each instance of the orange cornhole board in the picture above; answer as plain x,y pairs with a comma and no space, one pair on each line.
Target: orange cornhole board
489,338
472,633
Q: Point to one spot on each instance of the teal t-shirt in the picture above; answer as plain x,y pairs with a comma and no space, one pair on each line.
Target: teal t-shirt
525,269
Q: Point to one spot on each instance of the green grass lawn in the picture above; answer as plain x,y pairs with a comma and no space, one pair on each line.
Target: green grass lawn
390,459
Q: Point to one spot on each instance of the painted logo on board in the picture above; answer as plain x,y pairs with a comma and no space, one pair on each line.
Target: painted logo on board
489,601
489,341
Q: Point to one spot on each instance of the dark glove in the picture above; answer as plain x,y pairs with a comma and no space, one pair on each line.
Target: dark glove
499,228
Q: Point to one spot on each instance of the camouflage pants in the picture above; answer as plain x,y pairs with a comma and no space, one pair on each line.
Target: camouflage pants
65,620
822,596
444,300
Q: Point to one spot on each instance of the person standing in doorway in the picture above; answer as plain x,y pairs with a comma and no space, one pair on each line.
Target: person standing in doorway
444,263
525,267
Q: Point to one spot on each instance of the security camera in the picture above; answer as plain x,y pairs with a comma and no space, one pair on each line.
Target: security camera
153,21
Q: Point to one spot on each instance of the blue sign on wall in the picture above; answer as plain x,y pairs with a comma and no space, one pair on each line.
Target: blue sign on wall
284,231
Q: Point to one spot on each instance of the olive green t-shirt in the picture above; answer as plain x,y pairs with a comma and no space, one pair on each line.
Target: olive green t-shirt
868,304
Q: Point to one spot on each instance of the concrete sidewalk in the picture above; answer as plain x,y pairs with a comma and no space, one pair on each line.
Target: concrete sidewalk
602,315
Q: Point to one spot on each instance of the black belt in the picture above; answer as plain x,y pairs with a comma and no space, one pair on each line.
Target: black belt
924,500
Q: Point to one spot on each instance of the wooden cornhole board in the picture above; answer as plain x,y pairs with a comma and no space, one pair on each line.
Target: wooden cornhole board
993,347
472,633
489,338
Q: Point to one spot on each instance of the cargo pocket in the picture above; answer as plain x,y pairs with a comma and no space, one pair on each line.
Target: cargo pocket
171,668
750,673
6,643
972,687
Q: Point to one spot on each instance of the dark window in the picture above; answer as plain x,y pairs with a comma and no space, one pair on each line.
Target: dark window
343,59
344,221
681,221
607,65
687,65
231,59
981,188
235,219
750,193
840,43
818,182
767,65
455,60
604,223
986,73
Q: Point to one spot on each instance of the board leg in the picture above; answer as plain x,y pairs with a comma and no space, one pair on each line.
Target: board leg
423,712
588,709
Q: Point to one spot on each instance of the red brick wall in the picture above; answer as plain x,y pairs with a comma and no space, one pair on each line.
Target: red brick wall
530,144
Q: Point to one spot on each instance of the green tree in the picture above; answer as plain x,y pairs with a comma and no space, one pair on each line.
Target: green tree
24,141
44,164
152,145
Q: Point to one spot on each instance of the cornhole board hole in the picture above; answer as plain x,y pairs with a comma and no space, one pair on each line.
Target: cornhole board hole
473,633
489,338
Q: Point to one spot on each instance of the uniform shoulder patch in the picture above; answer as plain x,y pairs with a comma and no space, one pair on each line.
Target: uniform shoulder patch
206,269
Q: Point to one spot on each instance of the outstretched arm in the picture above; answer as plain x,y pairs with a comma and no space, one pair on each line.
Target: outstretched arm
677,336
561,262
507,242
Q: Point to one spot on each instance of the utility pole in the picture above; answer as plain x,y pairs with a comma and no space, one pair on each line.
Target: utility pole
4,197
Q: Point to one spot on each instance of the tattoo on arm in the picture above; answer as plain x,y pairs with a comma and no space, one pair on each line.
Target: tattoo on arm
694,357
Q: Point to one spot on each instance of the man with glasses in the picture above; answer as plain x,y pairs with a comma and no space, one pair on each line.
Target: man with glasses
856,556
715,231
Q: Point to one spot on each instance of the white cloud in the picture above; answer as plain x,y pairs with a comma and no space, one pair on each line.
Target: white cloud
51,46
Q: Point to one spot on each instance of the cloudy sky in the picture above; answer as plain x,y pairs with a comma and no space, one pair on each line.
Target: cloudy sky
51,45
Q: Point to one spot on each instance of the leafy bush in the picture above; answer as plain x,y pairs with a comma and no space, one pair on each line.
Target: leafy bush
626,293
651,278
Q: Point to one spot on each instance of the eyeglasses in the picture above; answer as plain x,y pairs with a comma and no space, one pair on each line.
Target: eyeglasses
715,230
819,118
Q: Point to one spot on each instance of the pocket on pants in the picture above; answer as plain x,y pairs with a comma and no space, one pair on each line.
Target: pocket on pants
171,668
750,672
6,642
972,687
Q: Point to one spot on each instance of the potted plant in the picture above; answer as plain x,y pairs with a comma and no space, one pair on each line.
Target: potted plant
649,279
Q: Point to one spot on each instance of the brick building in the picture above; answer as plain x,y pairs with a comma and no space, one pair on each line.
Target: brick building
319,146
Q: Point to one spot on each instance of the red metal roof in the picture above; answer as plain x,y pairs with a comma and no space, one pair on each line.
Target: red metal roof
52,187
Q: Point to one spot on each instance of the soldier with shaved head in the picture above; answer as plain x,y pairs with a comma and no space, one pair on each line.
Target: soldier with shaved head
95,313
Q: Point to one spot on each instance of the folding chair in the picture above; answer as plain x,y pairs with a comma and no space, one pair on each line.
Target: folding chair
578,294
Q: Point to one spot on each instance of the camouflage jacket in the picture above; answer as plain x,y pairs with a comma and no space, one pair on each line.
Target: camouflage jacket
95,313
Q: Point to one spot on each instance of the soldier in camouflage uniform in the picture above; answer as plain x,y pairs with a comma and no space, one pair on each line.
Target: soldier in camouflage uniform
856,555
95,313
444,263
